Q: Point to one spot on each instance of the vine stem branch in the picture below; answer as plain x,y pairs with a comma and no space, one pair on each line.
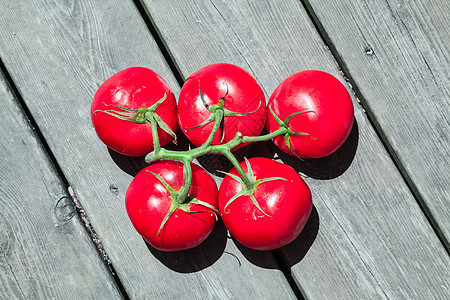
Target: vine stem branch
187,181
156,144
186,157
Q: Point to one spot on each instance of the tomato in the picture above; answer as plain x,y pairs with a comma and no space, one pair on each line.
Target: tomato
327,118
148,202
244,103
120,96
283,198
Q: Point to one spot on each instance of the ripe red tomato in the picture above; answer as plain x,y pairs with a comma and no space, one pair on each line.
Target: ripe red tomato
328,124
242,95
285,205
148,202
132,88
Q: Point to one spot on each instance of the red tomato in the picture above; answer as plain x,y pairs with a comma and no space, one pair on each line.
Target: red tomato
132,88
285,205
242,95
329,123
148,201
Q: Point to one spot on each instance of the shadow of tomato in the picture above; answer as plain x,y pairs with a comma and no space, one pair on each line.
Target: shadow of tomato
197,258
296,250
329,167
128,164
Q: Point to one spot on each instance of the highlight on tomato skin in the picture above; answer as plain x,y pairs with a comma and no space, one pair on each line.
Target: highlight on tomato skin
243,98
131,89
329,119
148,201
285,205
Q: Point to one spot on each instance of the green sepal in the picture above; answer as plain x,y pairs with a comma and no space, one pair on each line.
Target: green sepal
183,206
135,115
201,96
208,120
140,115
277,119
226,113
222,129
250,190
288,118
202,203
166,218
285,124
161,124
288,143
166,185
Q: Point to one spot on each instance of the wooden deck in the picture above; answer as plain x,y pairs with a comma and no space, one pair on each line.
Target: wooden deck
381,220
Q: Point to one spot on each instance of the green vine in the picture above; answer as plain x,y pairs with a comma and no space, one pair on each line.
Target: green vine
181,198
186,157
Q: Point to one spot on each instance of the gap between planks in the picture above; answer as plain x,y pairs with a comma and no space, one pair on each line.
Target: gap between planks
377,127
146,17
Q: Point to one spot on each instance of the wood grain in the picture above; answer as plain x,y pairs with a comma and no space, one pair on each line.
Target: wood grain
58,53
370,238
397,54
45,253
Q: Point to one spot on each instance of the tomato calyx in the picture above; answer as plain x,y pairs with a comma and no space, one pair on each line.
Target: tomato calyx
140,115
176,204
219,106
287,130
249,188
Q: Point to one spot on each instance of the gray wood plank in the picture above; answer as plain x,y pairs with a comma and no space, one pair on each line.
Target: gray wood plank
398,55
45,253
369,238
59,53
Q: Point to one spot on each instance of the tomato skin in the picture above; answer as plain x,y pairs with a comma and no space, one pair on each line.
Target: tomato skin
147,202
288,203
244,96
329,125
134,87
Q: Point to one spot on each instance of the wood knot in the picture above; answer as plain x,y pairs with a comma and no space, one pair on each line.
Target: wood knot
64,209
369,51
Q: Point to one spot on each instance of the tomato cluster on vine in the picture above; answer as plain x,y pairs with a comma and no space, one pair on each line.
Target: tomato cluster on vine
174,203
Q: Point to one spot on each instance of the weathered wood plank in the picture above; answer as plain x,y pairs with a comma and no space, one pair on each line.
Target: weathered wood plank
60,52
398,55
45,253
373,240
